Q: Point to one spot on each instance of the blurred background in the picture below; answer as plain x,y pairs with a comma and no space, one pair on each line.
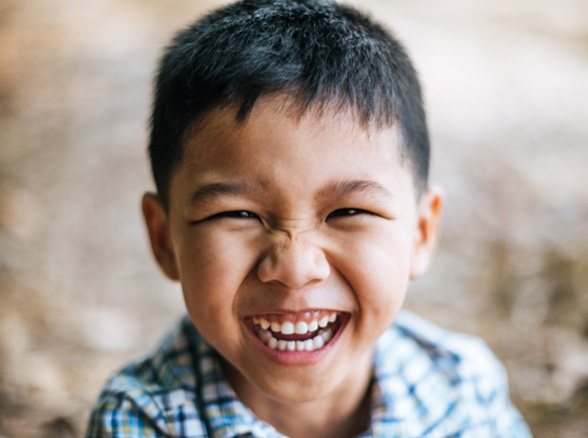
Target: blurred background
506,84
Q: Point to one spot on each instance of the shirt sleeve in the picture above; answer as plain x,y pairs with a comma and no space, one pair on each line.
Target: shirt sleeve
509,422
120,415
494,398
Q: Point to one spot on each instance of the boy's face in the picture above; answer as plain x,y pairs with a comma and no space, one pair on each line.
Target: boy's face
290,222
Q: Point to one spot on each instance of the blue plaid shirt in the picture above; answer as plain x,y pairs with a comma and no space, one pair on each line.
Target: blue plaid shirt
426,382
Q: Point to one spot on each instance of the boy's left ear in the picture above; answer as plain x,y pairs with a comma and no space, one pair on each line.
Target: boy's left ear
429,213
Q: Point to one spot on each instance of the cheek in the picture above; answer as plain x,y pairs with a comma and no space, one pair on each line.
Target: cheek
213,266
378,271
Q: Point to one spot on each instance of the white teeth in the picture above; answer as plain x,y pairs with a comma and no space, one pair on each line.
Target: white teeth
327,335
318,342
287,328
301,328
265,336
324,335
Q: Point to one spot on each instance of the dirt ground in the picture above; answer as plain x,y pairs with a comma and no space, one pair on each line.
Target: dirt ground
507,91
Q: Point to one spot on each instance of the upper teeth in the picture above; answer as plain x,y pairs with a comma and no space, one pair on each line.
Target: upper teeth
299,328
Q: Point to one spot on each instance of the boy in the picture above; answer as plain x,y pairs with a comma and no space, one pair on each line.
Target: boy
290,153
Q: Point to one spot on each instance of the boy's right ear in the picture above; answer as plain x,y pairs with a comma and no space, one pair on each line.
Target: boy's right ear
159,234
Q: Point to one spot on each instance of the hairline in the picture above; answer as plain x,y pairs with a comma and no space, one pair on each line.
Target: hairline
295,108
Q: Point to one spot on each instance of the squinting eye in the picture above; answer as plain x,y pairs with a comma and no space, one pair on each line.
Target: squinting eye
343,212
237,214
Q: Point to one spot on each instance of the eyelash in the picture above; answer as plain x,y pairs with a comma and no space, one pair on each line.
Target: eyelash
345,212
236,214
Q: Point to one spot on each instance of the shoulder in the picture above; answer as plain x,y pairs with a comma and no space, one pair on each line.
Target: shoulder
154,396
458,356
448,383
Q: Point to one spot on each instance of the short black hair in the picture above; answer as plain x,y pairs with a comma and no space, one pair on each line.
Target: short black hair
316,51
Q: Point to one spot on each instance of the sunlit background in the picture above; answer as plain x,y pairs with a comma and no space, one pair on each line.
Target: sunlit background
506,85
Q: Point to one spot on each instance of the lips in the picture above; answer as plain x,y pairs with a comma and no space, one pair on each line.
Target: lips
297,332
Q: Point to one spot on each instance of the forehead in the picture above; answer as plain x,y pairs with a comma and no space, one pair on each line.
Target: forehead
277,144
281,115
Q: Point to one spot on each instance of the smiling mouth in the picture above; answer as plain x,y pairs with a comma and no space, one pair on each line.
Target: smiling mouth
310,332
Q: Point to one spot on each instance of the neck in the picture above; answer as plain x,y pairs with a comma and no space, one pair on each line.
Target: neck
345,412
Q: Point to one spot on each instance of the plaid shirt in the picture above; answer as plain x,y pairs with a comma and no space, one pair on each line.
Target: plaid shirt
426,383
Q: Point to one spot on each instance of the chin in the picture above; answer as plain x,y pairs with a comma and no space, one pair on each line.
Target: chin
296,391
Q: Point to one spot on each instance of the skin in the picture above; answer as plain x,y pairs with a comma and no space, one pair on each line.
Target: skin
318,213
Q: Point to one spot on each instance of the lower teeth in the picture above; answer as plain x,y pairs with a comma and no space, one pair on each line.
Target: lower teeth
316,343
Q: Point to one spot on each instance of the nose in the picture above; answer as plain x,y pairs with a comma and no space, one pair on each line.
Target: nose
294,263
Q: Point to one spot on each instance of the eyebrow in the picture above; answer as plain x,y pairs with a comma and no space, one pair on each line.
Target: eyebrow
208,192
364,187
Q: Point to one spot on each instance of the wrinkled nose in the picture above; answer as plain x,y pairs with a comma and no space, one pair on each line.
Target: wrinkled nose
293,263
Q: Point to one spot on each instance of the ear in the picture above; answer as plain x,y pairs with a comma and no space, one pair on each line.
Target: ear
429,213
159,234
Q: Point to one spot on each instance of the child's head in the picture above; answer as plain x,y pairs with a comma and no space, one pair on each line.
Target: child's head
289,145
318,53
